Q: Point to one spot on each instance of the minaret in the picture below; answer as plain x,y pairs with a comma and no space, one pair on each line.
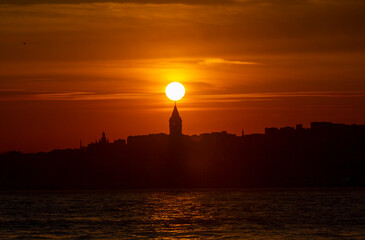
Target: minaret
103,139
175,123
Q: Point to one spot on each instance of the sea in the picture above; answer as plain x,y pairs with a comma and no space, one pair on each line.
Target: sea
184,213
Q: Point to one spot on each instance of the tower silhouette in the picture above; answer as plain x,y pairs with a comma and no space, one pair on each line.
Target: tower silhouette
175,123
103,139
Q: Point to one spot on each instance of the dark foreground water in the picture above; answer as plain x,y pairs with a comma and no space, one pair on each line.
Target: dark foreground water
165,214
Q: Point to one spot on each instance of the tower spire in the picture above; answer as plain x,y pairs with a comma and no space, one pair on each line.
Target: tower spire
175,122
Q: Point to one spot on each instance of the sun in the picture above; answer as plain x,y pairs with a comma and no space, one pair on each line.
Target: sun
175,91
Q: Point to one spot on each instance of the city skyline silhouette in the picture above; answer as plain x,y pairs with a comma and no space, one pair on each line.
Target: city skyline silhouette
324,155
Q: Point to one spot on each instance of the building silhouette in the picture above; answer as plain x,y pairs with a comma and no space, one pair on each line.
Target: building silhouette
324,155
175,123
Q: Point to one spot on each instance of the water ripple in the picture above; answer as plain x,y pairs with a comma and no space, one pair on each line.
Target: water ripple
169,214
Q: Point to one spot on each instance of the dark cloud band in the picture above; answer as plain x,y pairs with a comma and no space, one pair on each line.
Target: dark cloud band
188,2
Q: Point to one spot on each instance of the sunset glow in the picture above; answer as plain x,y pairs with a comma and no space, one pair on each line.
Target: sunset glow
103,65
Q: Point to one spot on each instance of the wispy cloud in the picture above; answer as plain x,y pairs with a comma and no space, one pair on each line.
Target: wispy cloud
210,61
77,96
19,94
188,2
271,96
16,95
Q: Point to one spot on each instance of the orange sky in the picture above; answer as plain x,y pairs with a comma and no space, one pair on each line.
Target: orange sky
90,66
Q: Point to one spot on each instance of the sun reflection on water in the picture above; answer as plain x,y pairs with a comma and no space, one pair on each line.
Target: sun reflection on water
176,214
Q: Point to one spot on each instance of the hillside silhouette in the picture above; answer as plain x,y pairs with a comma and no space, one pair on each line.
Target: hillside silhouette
326,154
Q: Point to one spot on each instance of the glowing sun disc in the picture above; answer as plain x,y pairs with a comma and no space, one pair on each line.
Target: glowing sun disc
175,91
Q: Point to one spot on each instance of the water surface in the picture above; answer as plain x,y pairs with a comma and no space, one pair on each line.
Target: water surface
167,214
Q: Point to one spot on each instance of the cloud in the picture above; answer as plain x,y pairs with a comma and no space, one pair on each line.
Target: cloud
83,96
20,95
210,61
99,30
187,2
271,96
